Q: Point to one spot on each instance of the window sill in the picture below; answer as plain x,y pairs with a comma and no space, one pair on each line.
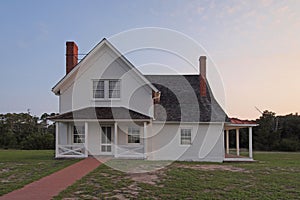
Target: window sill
134,144
115,99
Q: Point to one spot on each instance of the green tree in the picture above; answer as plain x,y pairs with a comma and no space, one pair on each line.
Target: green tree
25,131
266,137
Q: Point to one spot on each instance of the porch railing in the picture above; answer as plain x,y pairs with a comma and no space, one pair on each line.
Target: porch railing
76,150
128,151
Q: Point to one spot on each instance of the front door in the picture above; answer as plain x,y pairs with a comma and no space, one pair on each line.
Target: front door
106,137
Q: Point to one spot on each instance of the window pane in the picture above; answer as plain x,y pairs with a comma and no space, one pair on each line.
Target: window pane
79,134
103,138
108,136
133,135
114,94
133,139
98,85
114,85
186,136
98,89
80,139
108,149
136,139
108,129
103,148
98,93
114,89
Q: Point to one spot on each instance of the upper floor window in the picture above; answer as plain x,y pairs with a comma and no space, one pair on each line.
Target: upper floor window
98,89
114,89
106,89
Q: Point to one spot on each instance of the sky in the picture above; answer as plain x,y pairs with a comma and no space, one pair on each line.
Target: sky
254,45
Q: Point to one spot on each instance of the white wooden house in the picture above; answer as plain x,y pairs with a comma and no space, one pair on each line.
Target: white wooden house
108,107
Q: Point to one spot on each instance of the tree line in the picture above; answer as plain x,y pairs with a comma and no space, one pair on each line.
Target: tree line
24,131
274,133
280,133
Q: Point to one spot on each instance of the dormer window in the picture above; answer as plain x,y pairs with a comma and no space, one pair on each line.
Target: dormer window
106,89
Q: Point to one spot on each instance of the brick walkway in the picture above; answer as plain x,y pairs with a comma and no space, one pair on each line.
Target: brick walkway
51,185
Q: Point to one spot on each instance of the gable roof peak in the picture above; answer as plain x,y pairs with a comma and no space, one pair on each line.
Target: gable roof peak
56,88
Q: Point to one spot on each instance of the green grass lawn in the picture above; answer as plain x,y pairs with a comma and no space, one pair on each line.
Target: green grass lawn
20,167
274,176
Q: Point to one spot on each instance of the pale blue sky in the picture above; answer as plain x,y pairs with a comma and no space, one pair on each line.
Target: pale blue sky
255,45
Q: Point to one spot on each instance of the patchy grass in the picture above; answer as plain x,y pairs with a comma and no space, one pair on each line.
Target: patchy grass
274,176
20,167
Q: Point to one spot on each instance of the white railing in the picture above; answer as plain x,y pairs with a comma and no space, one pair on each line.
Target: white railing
128,151
75,150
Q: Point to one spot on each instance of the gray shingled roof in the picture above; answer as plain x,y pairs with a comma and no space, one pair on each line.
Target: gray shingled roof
101,113
180,100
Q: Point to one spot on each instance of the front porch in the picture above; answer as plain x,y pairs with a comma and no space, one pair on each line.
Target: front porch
119,139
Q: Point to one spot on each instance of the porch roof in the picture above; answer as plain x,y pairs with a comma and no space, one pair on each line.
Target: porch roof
104,113
234,120
236,123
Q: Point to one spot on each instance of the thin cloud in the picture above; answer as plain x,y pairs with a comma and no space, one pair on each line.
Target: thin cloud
42,31
233,9
200,9
266,3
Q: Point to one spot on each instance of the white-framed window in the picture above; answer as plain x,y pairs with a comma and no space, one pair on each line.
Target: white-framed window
134,135
186,136
114,89
98,89
79,134
106,89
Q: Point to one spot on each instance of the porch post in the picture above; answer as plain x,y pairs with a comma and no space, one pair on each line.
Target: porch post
250,143
116,139
86,131
237,142
227,141
56,139
145,140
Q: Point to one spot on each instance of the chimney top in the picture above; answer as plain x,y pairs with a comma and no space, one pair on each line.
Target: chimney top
202,76
202,57
202,65
71,55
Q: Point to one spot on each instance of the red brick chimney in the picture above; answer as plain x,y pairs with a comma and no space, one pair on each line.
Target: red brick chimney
202,76
71,56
